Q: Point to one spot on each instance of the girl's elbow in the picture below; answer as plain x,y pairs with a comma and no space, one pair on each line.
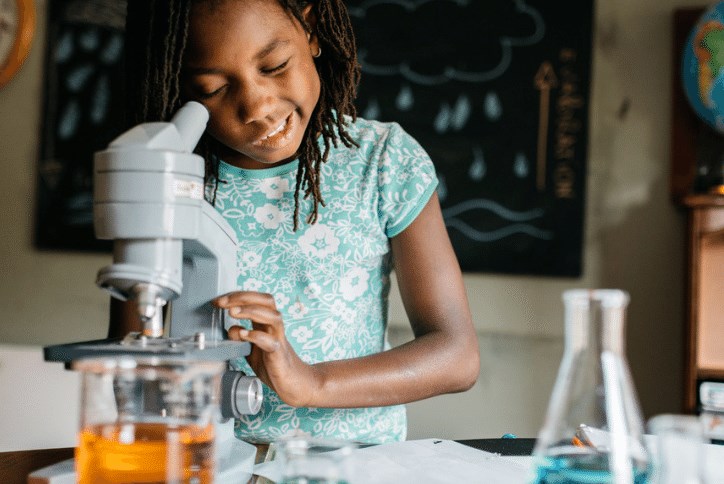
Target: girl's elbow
468,367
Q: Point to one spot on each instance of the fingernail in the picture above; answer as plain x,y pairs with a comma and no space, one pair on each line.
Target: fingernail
222,301
243,333
235,311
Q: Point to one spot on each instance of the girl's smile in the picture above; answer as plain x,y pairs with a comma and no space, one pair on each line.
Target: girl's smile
279,137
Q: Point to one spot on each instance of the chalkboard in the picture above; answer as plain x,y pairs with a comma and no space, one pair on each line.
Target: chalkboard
497,93
83,112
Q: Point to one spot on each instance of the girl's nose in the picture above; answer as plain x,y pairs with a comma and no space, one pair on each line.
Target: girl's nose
254,102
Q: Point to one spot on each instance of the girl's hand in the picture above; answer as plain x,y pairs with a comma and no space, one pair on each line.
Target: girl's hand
272,357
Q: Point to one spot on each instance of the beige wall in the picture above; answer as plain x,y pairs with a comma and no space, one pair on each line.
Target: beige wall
634,241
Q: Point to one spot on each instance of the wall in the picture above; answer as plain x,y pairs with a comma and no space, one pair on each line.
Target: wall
634,241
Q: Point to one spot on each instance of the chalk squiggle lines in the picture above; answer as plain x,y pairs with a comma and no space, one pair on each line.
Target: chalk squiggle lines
498,234
451,73
450,213
498,209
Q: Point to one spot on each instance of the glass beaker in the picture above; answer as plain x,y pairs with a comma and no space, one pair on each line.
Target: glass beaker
593,429
679,455
307,460
147,421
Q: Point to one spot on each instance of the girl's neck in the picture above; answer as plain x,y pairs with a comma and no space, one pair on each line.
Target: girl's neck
238,160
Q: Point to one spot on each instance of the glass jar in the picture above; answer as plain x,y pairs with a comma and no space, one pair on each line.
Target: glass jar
147,421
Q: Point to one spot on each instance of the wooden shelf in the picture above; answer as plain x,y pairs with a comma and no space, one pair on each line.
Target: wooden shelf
710,374
698,200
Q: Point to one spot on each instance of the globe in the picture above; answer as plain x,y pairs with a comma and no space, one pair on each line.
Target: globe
703,67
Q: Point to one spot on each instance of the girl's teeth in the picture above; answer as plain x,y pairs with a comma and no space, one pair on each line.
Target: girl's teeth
281,127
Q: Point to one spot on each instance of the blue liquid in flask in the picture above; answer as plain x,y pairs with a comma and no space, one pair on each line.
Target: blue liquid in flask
589,469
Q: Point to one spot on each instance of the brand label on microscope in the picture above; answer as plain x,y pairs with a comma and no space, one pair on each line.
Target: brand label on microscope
188,189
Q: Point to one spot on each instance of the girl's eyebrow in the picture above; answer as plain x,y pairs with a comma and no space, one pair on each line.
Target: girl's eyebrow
268,49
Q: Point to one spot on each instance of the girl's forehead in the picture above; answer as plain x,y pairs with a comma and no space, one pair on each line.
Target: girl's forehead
213,15
218,13
215,5
228,29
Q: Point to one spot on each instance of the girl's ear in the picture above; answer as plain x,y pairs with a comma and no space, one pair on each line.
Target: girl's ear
310,17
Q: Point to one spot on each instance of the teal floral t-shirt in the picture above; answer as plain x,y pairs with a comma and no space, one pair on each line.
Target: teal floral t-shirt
330,280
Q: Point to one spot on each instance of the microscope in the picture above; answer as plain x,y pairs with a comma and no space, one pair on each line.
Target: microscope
171,249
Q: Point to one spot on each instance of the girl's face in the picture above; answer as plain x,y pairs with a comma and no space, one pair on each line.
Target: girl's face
250,63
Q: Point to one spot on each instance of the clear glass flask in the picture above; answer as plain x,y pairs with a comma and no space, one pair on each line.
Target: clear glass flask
147,421
679,454
307,460
593,429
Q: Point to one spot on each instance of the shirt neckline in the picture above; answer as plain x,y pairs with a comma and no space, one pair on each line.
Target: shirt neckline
235,171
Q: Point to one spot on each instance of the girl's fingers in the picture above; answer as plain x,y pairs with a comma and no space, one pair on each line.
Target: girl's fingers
235,332
257,314
264,341
243,298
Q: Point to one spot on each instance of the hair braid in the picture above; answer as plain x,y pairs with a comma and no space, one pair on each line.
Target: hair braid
339,73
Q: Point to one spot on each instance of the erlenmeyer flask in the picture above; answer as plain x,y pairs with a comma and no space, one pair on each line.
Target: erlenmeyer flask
593,430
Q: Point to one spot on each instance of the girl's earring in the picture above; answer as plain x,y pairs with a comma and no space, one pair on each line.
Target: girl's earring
319,52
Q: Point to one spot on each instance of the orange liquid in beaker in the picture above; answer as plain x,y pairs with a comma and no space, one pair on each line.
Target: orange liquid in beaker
145,453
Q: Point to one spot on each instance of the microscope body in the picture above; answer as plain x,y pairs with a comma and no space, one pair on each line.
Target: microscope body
170,245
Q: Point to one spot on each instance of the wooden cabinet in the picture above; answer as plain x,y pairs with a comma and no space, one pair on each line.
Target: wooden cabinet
705,294
694,144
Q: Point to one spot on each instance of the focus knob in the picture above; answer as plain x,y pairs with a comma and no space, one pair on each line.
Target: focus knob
240,394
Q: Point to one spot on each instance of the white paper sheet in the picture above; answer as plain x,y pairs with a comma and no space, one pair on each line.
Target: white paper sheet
424,461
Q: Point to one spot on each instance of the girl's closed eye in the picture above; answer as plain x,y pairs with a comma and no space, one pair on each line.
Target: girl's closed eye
276,69
208,94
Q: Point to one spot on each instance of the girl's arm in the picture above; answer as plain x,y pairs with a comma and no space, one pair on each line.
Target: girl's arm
442,358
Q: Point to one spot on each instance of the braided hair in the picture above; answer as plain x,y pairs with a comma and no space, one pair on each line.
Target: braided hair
156,35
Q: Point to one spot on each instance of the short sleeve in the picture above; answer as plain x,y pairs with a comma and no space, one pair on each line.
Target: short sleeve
406,180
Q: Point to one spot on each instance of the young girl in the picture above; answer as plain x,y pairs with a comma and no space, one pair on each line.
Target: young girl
325,205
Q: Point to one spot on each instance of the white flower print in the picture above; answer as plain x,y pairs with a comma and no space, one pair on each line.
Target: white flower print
342,312
319,241
302,334
298,310
281,300
338,307
347,315
354,283
327,326
252,284
250,259
336,354
274,188
313,290
340,177
269,216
